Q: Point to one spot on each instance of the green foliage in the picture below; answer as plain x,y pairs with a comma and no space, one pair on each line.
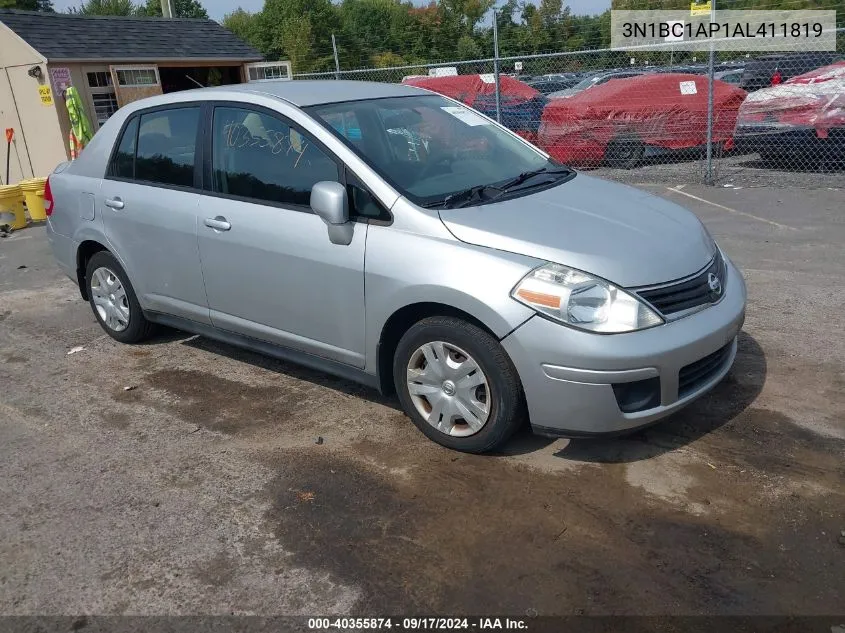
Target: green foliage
181,9
105,7
246,26
28,5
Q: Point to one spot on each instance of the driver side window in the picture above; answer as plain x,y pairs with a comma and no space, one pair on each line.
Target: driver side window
258,156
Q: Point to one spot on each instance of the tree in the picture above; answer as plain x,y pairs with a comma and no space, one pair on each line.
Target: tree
181,9
28,5
295,39
467,48
246,26
105,7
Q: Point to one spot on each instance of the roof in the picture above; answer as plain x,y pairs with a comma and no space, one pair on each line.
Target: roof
316,92
69,37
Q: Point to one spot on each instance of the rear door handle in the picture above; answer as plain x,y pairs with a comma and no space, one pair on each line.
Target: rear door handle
114,203
218,224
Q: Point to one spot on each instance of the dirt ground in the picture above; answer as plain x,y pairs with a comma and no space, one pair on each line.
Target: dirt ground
183,476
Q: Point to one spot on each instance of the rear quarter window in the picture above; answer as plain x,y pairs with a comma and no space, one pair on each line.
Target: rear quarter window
123,159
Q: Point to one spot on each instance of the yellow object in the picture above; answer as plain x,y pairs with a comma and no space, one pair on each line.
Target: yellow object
11,203
33,193
697,7
46,95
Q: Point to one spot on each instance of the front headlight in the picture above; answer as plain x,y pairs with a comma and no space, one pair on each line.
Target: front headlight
580,300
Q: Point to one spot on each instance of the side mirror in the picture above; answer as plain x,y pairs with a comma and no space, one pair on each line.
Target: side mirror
330,202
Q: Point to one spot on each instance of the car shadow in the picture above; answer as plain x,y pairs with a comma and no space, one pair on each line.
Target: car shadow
725,402
289,369
730,398
795,165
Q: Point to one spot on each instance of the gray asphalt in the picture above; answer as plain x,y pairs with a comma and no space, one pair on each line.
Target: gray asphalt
182,476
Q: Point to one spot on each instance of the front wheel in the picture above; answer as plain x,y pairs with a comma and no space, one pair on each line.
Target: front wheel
458,385
624,152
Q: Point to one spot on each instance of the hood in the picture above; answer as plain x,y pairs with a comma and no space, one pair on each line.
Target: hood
622,234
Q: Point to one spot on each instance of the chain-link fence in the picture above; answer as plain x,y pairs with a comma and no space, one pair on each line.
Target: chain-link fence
774,118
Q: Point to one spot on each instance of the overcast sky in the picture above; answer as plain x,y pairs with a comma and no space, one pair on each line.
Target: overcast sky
218,8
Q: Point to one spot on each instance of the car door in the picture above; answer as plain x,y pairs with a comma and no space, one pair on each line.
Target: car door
270,270
149,201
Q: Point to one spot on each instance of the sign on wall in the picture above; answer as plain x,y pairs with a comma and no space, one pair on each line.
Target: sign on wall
60,79
46,95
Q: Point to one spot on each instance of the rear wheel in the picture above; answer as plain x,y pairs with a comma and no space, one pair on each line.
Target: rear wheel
113,300
625,152
457,385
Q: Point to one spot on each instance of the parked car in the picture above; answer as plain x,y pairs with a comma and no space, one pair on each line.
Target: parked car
521,105
622,121
771,70
732,76
547,86
592,81
802,120
474,276
688,70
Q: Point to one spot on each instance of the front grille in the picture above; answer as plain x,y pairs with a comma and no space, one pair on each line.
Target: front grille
695,375
689,293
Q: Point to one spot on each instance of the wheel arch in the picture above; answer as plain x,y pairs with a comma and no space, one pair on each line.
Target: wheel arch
84,253
400,322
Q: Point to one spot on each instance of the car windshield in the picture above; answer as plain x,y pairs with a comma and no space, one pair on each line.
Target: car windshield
587,83
432,149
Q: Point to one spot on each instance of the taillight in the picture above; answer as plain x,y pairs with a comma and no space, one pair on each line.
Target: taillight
48,198
777,78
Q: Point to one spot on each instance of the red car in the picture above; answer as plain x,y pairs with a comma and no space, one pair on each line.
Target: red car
521,105
802,119
624,120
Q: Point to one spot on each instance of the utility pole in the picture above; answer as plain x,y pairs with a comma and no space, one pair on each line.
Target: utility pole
336,60
711,62
496,66
166,8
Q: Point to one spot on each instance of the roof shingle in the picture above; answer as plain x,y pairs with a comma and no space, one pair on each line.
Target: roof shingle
66,37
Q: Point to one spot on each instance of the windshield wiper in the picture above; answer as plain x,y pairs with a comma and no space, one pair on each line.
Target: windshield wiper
526,175
467,196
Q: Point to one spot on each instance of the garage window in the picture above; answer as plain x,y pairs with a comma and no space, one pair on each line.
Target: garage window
137,77
102,95
268,71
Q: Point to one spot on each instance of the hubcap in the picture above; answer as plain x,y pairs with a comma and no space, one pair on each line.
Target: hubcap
110,299
448,389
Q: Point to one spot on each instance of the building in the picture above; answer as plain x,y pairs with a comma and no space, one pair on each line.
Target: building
110,61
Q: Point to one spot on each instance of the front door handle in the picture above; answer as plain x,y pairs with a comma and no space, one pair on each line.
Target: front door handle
218,224
114,203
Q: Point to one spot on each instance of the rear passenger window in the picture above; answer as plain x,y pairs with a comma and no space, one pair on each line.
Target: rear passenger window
255,155
166,146
123,161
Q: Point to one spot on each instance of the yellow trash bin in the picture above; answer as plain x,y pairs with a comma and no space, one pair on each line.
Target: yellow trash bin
33,193
11,204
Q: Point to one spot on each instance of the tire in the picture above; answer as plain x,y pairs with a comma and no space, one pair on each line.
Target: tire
624,152
500,393
104,274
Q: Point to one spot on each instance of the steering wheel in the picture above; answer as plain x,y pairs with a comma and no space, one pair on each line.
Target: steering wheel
436,157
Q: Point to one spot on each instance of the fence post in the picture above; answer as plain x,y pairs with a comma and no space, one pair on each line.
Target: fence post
711,62
336,60
496,66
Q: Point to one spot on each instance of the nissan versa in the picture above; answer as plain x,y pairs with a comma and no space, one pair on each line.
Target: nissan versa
394,237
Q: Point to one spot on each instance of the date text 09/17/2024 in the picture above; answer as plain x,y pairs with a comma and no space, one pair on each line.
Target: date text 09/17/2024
416,624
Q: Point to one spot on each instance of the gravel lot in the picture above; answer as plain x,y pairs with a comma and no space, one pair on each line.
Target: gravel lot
182,476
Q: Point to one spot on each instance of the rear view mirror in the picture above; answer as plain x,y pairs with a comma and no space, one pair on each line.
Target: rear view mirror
330,202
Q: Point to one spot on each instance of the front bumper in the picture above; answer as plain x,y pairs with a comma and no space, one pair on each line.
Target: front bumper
568,375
